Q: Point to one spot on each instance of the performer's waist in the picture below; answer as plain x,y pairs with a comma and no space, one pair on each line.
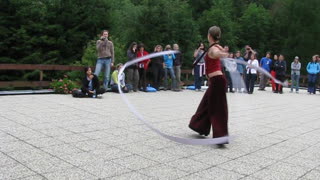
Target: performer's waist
215,73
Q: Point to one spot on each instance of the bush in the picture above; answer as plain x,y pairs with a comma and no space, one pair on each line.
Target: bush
64,86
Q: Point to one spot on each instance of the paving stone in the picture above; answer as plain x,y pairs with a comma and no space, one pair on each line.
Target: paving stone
68,174
5,160
131,176
15,171
47,165
163,172
61,150
45,142
14,146
135,162
188,165
240,167
104,169
314,174
29,155
217,173
281,171
210,158
110,153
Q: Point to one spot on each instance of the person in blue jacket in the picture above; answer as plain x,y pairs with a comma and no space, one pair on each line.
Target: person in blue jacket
168,68
313,69
265,63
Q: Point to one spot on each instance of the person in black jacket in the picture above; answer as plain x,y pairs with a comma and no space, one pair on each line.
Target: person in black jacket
280,67
157,68
90,85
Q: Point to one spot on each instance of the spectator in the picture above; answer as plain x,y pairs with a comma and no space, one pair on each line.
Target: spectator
132,71
280,67
168,68
114,81
313,69
105,51
199,69
265,63
240,68
251,76
295,74
90,85
157,68
143,67
273,72
177,65
230,70
248,53
318,77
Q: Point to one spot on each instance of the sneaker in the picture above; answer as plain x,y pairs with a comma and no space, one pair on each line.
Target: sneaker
291,91
297,92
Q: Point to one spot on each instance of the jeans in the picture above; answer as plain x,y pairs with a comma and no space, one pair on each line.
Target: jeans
197,77
173,78
177,70
251,78
312,78
133,78
295,81
106,63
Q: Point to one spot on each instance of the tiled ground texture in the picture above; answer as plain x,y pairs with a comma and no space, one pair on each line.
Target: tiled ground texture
60,137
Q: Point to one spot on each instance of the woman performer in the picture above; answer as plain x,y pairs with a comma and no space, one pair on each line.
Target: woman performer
213,108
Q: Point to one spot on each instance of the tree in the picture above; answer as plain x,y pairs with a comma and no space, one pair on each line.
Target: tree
220,14
255,28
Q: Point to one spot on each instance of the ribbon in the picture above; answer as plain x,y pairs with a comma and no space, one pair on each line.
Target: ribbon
220,140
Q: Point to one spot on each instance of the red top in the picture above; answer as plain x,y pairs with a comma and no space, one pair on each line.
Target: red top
144,63
212,65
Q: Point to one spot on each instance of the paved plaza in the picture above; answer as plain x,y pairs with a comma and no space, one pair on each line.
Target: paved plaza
59,137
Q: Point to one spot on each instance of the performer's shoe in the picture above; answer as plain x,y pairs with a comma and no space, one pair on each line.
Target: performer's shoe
200,133
221,146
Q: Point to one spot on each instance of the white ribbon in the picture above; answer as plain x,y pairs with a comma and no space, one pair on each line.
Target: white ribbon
220,140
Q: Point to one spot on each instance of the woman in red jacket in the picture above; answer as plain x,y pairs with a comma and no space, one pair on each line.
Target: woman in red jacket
273,72
143,67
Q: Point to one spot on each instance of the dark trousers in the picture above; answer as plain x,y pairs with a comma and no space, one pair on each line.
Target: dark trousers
312,79
197,77
250,80
82,92
142,79
157,70
280,78
213,110
230,85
